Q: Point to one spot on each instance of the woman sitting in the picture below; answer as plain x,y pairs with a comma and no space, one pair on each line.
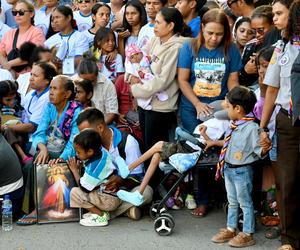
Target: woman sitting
13,39
53,138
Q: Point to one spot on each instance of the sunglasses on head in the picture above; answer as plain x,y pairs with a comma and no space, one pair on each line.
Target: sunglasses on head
20,12
84,1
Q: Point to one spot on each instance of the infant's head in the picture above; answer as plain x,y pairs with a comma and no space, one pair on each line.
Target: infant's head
133,53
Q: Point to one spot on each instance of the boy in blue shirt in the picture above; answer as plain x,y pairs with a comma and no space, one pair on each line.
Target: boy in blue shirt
98,168
241,148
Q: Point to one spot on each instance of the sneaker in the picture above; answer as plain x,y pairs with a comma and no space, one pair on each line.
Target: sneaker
95,220
242,240
134,198
134,213
89,214
190,202
223,236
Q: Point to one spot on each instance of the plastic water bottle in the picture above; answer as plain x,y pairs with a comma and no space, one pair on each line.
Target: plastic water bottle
7,214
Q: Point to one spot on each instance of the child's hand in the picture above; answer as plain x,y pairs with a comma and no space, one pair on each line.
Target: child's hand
72,164
202,129
111,56
209,144
266,144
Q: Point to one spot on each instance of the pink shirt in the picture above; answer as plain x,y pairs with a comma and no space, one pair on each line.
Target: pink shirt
33,34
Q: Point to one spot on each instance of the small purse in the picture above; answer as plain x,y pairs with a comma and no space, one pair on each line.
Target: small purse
132,117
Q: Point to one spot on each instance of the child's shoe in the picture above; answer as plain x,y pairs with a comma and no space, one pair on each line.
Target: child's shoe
95,220
190,202
134,198
242,240
223,236
122,167
89,214
134,213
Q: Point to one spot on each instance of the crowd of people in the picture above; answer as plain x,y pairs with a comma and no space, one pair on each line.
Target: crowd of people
101,86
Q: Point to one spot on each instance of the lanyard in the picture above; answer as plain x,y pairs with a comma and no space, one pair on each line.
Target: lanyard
69,36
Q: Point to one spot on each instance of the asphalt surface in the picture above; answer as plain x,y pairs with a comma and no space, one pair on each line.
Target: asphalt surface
123,233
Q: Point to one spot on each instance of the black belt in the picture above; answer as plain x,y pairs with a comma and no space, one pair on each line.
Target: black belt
234,166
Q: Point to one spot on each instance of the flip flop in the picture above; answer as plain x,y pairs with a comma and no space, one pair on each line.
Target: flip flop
273,233
21,222
202,211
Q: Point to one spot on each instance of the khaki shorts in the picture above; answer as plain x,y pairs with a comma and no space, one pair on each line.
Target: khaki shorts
104,202
170,148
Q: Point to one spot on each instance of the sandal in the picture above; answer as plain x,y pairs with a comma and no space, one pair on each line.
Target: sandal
27,220
200,211
273,233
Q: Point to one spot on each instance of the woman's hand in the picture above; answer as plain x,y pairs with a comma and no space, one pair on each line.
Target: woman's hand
122,119
43,155
250,66
55,161
203,108
111,56
124,34
134,80
72,163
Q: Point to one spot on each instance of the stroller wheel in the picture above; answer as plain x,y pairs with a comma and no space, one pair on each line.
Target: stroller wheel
156,210
170,216
164,225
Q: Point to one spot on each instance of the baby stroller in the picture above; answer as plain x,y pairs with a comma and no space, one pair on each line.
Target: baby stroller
164,222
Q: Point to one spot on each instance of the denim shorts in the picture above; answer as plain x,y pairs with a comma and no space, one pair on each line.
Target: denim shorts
273,151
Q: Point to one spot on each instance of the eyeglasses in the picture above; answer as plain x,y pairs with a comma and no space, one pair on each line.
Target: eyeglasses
230,2
84,1
20,12
259,31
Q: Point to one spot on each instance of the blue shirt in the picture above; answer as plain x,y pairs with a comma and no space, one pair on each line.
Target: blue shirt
209,71
194,24
10,19
50,116
97,170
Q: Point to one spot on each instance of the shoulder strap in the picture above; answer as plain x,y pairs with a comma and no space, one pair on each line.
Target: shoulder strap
121,145
15,39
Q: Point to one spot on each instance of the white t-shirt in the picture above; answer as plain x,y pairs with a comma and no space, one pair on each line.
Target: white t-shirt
83,22
71,45
90,37
42,20
23,81
5,75
3,29
34,105
145,34
115,68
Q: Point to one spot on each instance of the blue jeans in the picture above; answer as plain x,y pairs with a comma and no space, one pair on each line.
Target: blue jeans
238,183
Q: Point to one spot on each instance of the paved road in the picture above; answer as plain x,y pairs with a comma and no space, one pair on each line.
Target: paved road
122,233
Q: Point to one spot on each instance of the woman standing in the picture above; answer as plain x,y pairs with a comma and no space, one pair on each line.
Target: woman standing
13,39
278,79
207,68
69,43
135,18
163,49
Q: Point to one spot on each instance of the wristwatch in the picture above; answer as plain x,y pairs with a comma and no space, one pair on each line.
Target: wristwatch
265,129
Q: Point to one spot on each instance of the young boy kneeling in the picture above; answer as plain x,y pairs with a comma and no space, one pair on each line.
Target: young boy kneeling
98,167
241,148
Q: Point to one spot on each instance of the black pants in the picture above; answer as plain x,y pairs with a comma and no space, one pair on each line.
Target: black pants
288,175
155,127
